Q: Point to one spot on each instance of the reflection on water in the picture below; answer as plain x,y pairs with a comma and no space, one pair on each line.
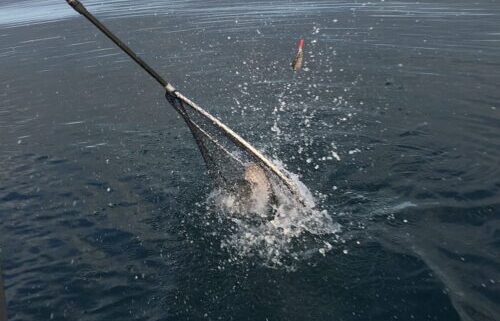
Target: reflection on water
393,123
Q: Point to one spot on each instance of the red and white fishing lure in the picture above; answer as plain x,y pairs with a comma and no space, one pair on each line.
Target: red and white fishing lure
297,62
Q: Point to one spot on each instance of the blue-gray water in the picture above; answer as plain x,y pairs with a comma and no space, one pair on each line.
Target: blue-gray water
103,192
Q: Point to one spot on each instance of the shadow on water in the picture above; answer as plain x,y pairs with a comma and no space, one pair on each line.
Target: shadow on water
393,122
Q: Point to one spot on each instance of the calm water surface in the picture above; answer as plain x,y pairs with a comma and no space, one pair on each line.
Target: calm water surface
103,211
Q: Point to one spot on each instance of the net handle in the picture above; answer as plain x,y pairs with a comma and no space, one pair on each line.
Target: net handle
80,8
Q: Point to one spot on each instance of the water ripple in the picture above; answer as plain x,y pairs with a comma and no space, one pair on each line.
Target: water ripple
28,12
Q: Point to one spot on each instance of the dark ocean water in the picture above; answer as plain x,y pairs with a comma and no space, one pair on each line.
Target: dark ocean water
103,211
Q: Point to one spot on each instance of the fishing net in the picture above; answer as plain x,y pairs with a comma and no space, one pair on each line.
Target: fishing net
232,162
236,166
255,183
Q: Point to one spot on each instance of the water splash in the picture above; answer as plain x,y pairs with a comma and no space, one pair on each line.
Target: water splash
278,235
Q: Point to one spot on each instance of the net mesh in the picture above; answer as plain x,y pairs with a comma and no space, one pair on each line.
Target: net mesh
236,166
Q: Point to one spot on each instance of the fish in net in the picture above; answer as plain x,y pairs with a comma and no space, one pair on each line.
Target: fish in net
236,167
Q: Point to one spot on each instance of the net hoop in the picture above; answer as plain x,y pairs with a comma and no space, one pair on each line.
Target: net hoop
233,136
